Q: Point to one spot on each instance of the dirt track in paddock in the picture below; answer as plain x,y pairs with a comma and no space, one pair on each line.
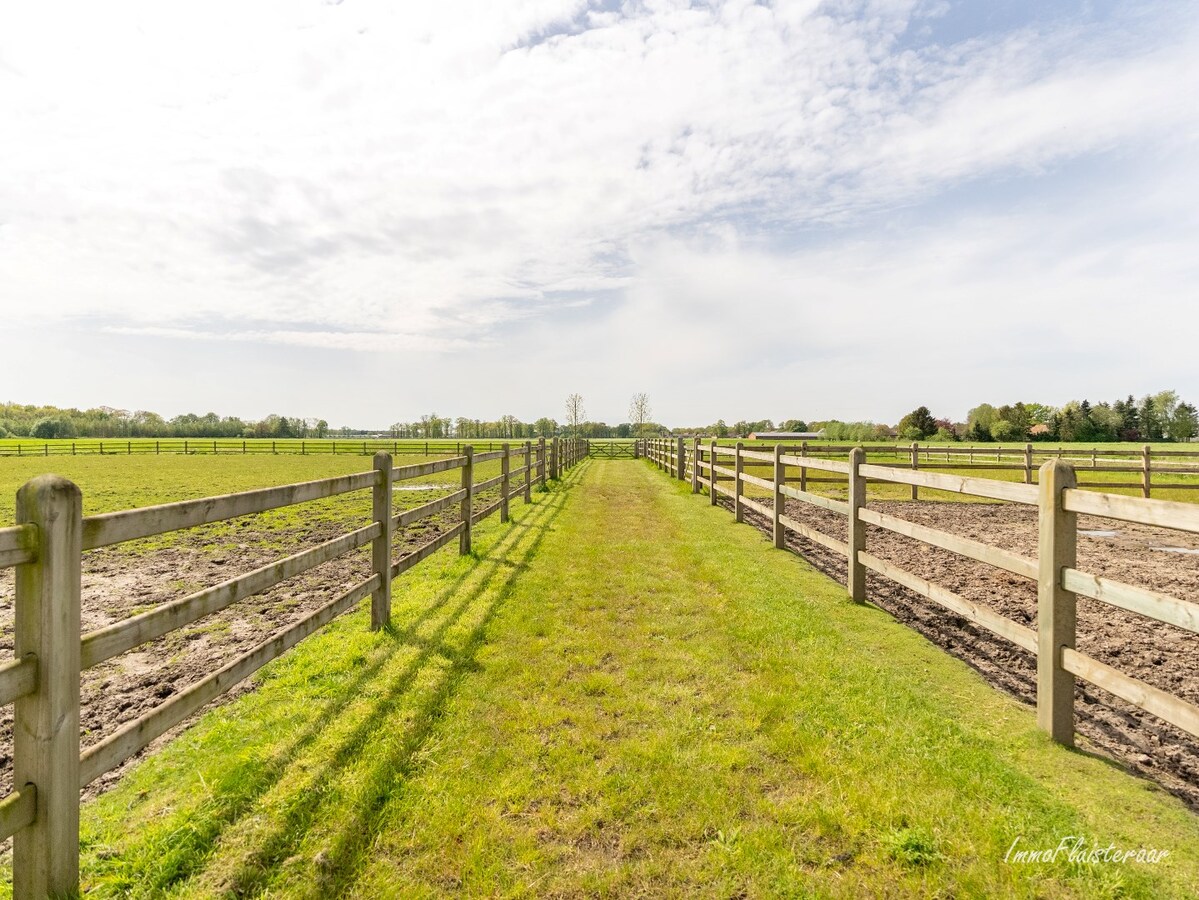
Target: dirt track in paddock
1162,655
118,583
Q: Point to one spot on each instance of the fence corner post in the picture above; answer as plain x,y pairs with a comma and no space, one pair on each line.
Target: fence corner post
738,485
468,502
1056,613
381,546
1028,463
712,472
46,722
855,578
506,480
779,477
1146,486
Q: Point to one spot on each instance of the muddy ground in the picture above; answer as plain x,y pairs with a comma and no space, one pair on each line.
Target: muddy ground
122,581
1162,655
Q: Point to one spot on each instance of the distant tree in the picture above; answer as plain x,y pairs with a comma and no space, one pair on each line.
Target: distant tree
1151,420
639,412
322,428
574,412
624,430
545,427
794,425
1184,424
917,425
979,421
49,429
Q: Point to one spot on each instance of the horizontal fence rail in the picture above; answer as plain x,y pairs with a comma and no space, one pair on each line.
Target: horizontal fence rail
1054,492
42,680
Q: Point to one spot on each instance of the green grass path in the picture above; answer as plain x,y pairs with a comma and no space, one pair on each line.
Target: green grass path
625,694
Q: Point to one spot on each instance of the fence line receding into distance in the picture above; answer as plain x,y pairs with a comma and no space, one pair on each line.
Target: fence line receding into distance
1058,501
42,681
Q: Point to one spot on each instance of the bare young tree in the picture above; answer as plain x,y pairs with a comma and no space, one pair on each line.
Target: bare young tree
639,412
574,412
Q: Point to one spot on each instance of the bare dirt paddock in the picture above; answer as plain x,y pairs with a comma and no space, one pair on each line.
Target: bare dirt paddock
121,582
1162,655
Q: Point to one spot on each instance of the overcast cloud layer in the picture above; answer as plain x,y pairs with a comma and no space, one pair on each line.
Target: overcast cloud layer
368,210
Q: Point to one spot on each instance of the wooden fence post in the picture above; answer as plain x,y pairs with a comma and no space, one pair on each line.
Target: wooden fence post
803,470
381,546
1146,488
712,472
1028,463
528,471
779,474
468,502
680,458
1058,536
695,466
541,460
46,722
915,465
738,486
636,448
506,483
855,578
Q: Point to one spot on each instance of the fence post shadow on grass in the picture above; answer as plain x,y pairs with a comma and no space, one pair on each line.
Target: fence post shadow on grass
340,863
505,555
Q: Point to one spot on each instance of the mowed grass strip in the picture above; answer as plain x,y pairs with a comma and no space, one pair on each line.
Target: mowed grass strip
625,694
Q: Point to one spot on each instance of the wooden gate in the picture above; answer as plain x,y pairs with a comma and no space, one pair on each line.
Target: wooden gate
612,449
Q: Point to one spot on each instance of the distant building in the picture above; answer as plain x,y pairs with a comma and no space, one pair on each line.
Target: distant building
1039,429
787,435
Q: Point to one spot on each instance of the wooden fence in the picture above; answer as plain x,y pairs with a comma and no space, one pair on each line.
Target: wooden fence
248,447
1141,464
42,681
1058,500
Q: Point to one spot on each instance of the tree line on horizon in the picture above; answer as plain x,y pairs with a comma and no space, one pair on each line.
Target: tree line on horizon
1163,416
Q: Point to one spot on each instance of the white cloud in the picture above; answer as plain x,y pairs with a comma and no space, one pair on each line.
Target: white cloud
444,178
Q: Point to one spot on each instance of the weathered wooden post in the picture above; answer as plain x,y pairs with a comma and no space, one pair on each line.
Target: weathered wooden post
46,722
1058,536
541,460
779,475
1146,487
528,471
855,579
1028,463
553,458
468,485
803,470
695,466
915,465
506,482
738,484
636,448
712,472
681,459
381,546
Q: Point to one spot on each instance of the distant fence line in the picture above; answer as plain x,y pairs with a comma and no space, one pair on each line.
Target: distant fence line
42,681
1059,503
247,447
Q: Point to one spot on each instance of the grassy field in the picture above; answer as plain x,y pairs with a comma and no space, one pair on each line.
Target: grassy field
623,693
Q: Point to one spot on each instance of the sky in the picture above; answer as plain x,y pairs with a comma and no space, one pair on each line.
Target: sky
367,211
